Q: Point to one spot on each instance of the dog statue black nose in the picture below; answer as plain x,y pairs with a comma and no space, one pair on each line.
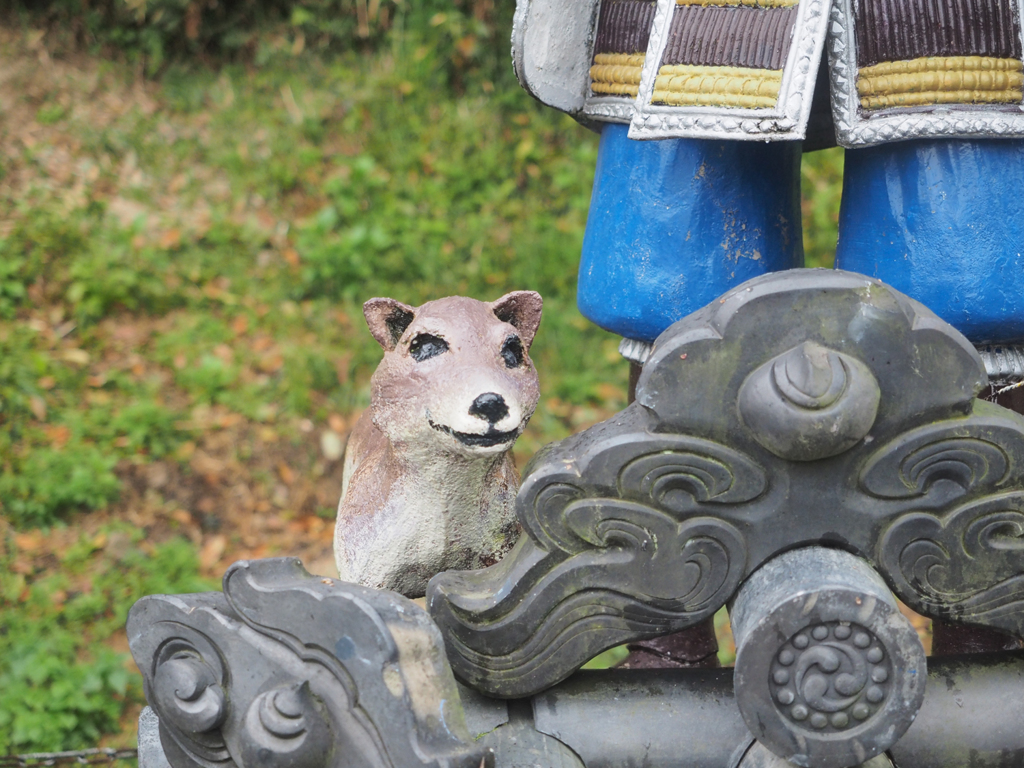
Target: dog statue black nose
489,406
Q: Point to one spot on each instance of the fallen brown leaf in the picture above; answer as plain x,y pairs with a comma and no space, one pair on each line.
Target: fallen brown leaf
206,465
342,366
254,553
37,405
28,542
262,343
213,548
228,420
224,353
170,239
286,473
271,363
59,435
609,392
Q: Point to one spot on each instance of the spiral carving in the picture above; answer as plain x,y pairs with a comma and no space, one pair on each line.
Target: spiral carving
188,693
913,465
255,665
545,521
682,480
635,572
811,378
810,402
284,729
967,565
830,677
280,712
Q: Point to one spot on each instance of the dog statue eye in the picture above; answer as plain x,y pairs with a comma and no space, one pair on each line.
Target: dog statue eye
426,346
512,352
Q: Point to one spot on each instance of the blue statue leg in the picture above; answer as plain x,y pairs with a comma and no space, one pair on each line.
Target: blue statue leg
673,224
942,221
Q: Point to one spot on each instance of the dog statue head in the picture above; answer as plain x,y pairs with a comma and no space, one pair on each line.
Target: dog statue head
456,374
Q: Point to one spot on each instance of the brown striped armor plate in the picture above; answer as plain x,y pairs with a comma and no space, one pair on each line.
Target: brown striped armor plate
903,69
729,69
747,69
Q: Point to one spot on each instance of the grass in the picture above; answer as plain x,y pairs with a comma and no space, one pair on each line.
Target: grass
182,264
65,680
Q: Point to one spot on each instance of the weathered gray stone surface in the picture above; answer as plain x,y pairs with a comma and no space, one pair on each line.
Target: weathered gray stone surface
810,407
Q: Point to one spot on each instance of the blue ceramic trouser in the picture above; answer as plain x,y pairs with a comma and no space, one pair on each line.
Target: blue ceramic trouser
943,222
673,224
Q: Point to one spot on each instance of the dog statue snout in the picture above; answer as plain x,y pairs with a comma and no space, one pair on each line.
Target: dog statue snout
490,406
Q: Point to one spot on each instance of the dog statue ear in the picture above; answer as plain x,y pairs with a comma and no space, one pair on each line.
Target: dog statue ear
520,309
388,320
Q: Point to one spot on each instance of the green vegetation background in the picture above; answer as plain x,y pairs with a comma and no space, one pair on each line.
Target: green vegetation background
195,198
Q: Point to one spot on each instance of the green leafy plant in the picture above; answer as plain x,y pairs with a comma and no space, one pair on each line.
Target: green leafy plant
48,483
461,38
208,379
60,687
112,274
12,286
148,426
822,180
47,697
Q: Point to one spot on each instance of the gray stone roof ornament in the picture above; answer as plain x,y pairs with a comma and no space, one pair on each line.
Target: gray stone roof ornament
805,450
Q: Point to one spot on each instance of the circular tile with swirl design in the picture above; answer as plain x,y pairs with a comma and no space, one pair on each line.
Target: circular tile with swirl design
828,672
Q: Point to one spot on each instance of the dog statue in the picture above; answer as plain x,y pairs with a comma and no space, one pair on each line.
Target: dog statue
429,482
